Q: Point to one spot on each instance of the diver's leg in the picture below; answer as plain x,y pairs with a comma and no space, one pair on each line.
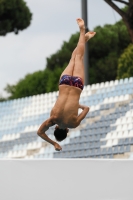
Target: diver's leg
79,65
69,69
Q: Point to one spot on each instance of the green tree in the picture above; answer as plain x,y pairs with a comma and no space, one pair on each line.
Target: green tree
125,63
126,13
104,51
62,56
2,99
37,83
104,69
31,84
14,16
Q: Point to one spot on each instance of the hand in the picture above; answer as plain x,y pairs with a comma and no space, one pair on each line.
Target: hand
57,147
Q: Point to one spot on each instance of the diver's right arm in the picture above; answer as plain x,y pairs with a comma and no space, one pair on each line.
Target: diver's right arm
41,132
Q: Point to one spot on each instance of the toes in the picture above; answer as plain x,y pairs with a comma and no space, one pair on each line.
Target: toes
93,33
80,20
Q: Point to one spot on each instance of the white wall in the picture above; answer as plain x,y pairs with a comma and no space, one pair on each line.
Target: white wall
66,179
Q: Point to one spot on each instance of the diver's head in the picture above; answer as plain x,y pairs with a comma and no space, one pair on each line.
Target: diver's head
60,134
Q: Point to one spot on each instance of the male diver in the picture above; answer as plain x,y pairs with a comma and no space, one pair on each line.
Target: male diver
65,111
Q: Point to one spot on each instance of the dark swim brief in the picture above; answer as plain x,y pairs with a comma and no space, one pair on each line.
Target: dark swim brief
72,81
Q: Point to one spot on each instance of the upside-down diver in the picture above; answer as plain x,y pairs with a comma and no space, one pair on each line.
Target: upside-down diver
65,111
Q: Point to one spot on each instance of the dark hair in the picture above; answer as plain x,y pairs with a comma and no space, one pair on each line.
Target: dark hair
60,134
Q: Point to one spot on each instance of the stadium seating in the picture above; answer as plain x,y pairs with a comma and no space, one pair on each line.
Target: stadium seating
106,132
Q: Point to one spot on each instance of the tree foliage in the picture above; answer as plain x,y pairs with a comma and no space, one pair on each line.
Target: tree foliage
125,64
37,83
104,51
62,56
126,13
14,16
2,98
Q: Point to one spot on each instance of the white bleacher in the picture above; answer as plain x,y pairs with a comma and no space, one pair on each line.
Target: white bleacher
106,127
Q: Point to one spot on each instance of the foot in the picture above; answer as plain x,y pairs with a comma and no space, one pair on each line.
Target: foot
81,23
89,35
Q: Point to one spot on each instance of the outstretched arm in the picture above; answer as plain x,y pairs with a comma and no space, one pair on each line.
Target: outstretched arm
82,114
41,132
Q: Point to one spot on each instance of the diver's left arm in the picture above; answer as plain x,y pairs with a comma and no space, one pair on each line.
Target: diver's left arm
82,114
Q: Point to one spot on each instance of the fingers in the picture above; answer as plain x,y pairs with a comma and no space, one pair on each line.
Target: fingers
58,149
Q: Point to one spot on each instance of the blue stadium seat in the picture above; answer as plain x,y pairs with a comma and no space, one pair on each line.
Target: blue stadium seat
127,148
115,150
131,141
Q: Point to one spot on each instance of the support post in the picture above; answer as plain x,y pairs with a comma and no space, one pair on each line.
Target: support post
86,55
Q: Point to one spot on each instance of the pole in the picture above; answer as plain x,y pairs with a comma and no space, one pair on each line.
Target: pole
86,55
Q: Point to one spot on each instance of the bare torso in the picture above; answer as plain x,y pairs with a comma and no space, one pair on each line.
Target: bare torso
65,110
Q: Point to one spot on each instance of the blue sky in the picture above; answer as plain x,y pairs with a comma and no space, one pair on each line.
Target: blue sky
54,21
